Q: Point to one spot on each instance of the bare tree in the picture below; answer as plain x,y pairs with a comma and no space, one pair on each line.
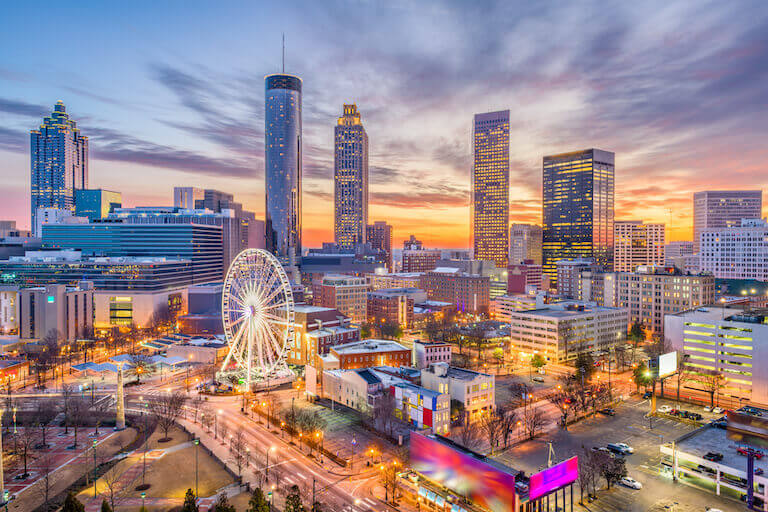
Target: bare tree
491,426
166,409
383,410
78,414
223,429
139,365
239,451
46,466
45,413
67,392
469,436
196,404
533,420
508,416
26,441
712,380
683,374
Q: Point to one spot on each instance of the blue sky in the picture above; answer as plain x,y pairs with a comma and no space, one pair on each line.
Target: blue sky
172,93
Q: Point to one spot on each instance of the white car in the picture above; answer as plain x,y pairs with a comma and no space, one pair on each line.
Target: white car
625,447
631,483
665,409
707,408
718,410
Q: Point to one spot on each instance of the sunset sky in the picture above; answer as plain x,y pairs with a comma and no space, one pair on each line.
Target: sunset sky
172,93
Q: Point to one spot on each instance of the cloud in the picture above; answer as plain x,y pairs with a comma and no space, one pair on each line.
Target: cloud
21,108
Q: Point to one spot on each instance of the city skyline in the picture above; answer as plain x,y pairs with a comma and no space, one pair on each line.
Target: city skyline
173,121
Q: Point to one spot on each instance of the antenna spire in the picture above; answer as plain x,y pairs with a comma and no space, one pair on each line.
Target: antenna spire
283,52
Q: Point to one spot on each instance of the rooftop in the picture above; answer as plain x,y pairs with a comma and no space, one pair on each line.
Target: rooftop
331,330
306,308
364,346
455,373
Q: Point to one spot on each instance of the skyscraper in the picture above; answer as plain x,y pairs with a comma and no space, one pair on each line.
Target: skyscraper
578,189
379,235
724,209
59,162
525,243
490,187
350,179
282,161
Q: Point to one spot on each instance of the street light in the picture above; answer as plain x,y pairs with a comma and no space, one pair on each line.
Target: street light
266,469
197,443
143,495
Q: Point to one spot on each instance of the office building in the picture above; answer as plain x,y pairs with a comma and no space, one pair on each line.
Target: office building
55,309
45,216
568,275
724,209
8,229
203,315
187,197
682,255
347,294
490,187
497,277
199,244
578,194
726,340
637,243
650,293
364,354
418,259
502,307
736,252
96,204
379,236
426,353
315,330
350,179
283,168
394,305
525,243
59,162
422,408
475,390
678,249
378,281
524,277
469,293
561,331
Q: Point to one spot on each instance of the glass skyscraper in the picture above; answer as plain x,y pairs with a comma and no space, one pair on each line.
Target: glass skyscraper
59,162
350,179
578,190
282,160
490,187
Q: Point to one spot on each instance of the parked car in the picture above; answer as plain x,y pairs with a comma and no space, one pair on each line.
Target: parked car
647,394
718,410
665,409
713,456
751,410
723,424
744,451
631,483
620,448
608,411
707,408
758,471
626,447
693,416
538,379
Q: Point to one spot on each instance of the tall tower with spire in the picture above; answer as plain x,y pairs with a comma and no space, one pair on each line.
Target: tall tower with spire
350,179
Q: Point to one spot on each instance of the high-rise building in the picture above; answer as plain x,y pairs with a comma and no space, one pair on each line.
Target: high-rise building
350,179
568,276
736,253
96,203
490,187
418,259
379,235
186,197
637,243
282,161
578,191
724,209
347,294
525,243
59,162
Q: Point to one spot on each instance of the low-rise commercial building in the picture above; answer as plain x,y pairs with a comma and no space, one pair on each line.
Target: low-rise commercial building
418,259
524,277
426,353
502,307
347,294
315,330
364,354
378,281
394,305
470,293
199,350
561,331
475,390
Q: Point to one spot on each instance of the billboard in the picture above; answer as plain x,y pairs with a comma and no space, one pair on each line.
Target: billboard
747,429
667,364
474,479
553,478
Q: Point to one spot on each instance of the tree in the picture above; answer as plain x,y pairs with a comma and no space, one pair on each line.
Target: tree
26,442
67,392
239,451
72,504
611,468
683,374
390,330
140,364
45,413
491,426
293,501
498,356
46,465
78,413
586,472
585,365
166,409
105,506
222,504
365,330
468,436
564,397
636,333
508,416
190,504
382,412
388,479
111,480
712,380
533,420
258,502
642,375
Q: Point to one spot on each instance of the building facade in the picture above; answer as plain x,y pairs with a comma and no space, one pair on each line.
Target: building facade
95,204
394,280
568,276
737,252
59,162
470,293
578,193
525,243
315,330
651,293
63,311
426,353
724,209
393,305
524,276
476,391
350,179
560,332
418,259
347,294
637,243
379,236
366,353
283,165
490,187
502,307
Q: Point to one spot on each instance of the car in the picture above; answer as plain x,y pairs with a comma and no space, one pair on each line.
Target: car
608,411
631,483
713,456
538,379
744,451
665,409
620,448
751,410
758,471
600,449
542,371
718,410
720,424
625,447
647,395
707,408
712,510
693,416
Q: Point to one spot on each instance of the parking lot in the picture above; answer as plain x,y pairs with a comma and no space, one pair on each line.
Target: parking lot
630,426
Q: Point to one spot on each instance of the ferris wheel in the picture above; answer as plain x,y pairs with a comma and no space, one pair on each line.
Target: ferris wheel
258,314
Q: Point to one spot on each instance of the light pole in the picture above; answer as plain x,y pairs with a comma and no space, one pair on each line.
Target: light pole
94,468
143,496
266,469
197,443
